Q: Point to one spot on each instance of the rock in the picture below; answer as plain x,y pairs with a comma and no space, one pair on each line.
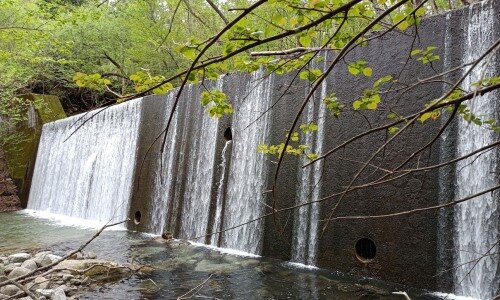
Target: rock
75,281
40,283
58,294
42,253
40,279
64,287
90,255
81,264
11,267
45,292
3,278
4,259
18,271
77,256
42,298
2,296
67,277
29,264
9,290
19,257
46,259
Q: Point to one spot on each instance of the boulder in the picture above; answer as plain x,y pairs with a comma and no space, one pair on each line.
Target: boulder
77,255
29,264
75,281
45,292
46,259
19,257
90,255
67,277
42,253
58,294
81,264
11,267
18,271
40,283
9,290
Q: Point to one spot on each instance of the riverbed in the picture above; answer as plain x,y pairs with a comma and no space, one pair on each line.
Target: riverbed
181,266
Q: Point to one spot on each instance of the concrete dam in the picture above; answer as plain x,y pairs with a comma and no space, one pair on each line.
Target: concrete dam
211,176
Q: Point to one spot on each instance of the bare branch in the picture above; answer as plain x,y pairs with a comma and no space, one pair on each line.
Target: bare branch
218,11
288,51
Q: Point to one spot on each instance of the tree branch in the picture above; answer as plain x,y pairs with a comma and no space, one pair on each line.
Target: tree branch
218,11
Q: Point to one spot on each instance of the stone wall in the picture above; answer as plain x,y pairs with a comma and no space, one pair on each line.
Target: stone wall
8,191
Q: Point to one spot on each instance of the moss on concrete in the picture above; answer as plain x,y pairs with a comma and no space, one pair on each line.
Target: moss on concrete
21,155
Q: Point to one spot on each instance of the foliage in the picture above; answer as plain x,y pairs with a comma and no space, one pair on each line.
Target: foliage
113,50
218,99
295,147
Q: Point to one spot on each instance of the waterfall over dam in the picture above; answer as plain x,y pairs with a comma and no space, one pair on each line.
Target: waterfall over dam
477,222
210,177
99,190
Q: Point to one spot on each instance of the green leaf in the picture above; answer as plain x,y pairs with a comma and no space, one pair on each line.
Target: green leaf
188,52
312,156
305,40
279,19
393,129
415,52
353,70
425,116
357,104
392,116
367,71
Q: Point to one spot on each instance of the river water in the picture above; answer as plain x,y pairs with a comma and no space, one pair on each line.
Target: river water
184,266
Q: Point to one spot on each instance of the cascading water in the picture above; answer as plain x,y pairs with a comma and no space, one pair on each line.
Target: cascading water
214,241
477,220
200,173
91,161
305,241
164,172
248,169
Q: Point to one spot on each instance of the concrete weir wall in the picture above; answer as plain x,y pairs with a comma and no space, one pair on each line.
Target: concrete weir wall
210,177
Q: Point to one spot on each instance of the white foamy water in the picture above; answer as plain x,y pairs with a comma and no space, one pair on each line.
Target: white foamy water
305,237
200,170
164,178
62,220
248,170
220,195
90,175
477,220
224,250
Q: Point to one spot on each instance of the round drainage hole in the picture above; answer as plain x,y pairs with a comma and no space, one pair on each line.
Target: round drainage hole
228,135
366,249
137,217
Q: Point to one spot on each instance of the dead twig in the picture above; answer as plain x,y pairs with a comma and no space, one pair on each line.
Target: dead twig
194,290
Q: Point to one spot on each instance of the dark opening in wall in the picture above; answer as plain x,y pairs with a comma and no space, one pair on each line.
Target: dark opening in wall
366,249
228,135
137,217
